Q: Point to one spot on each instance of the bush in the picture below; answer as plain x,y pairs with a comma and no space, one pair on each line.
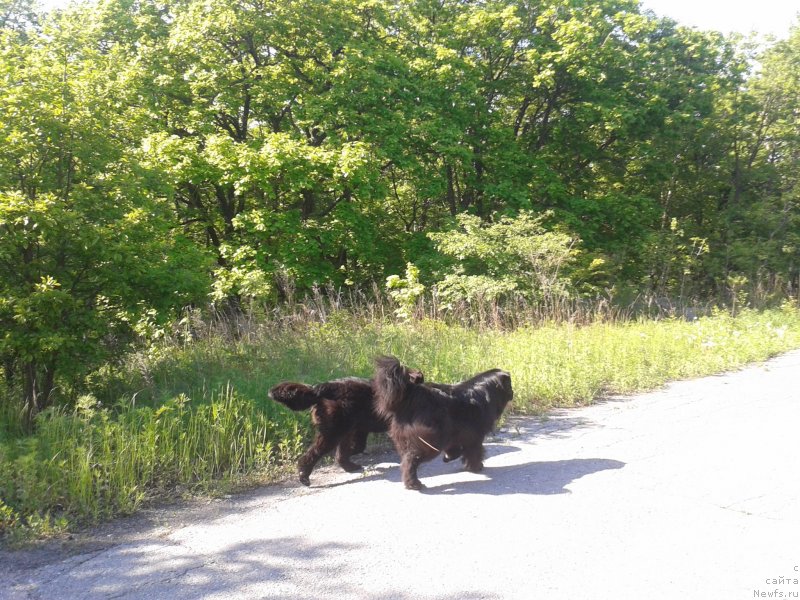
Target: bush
510,255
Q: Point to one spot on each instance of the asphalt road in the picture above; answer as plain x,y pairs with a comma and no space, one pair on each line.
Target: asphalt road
689,492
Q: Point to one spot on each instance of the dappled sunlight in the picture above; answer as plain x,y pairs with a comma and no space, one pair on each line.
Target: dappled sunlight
265,568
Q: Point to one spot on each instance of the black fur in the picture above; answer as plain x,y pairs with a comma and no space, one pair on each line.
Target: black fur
426,419
342,412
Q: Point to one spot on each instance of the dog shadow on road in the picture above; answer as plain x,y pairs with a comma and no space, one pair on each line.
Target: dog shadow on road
537,478
542,478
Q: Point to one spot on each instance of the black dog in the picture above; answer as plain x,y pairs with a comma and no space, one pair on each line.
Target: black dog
426,419
343,413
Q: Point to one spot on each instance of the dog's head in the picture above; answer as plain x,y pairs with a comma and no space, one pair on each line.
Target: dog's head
391,368
392,381
503,392
491,389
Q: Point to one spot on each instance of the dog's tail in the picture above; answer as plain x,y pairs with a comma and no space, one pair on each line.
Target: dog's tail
297,396
390,384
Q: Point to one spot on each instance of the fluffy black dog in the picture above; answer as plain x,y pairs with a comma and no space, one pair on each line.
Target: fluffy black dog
343,413
426,419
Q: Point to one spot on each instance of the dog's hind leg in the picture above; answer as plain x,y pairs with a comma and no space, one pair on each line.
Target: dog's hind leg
321,446
473,458
346,447
359,441
452,453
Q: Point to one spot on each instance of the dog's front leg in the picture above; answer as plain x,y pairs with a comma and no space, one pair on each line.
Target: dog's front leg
408,467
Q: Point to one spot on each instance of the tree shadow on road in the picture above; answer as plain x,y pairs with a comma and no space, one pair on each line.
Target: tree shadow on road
283,567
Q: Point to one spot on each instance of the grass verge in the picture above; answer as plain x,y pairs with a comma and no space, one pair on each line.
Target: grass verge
188,417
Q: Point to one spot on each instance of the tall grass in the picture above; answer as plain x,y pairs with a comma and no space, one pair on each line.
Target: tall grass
92,463
555,364
191,412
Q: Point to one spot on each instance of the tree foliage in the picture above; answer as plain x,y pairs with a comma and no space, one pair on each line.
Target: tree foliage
87,252
160,153
511,255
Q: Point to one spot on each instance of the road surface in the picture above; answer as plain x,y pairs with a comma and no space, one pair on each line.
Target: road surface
688,492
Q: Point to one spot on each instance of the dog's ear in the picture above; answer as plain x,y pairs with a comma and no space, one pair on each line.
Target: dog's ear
415,376
392,368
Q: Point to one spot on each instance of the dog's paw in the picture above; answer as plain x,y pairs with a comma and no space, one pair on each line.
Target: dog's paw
451,454
415,485
351,467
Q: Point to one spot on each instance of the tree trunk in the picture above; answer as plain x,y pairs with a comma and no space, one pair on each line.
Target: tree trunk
9,369
37,389
307,207
451,191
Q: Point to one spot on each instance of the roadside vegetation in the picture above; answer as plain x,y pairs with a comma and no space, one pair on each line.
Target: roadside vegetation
201,198
189,414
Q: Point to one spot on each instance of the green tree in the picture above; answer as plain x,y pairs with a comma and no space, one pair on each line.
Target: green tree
761,208
18,16
257,128
321,142
86,250
512,255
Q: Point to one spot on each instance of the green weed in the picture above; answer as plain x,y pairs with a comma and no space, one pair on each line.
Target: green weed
192,416
92,463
